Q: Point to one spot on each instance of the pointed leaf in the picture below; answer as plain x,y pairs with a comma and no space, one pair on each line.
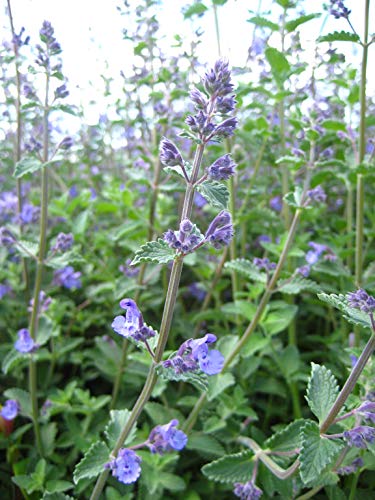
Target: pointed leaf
264,23
280,66
218,384
339,36
205,444
352,315
92,464
154,251
231,468
23,398
322,391
199,379
216,194
12,359
296,285
115,426
316,453
27,165
247,269
287,439
294,23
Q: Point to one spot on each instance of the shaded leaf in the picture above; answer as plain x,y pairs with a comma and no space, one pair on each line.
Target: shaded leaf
205,444
352,315
27,165
247,269
115,426
322,391
296,285
218,384
199,379
264,23
288,438
339,36
231,468
216,194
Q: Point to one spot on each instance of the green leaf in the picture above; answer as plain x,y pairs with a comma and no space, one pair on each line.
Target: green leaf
48,435
218,384
242,307
154,251
27,165
231,468
246,268
334,125
296,285
205,444
264,23
322,391
115,426
172,482
280,67
71,257
197,9
216,194
23,398
352,315
12,359
293,199
294,23
199,379
279,317
25,248
316,452
57,486
339,36
288,438
92,464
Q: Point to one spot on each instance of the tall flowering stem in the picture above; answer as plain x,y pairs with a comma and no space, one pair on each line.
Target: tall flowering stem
362,148
217,85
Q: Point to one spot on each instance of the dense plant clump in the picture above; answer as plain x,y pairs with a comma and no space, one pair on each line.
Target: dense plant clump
228,207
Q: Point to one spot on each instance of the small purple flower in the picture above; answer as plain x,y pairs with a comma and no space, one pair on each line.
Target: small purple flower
166,438
220,232
6,237
361,300
199,99
225,129
367,410
337,9
222,169
126,466
217,81
4,290
73,191
303,271
67,278
64,242
29,213
60,93
264,263
247,491
197,291
276,203
44,302
66,143
169,154
25,343
199,200
132,324
128,270
194,354
350,469
317,194
185,240
360,436
10,410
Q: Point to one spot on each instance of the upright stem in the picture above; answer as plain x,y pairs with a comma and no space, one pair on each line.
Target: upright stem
166,321
217,30
39,268
362,149
17,149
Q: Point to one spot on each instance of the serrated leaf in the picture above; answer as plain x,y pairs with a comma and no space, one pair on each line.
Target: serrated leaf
71,257
247,269
231,468
293,199
23,398
333,125
199,379
296,285
294,23
118,419
352,315
48,436
12,359
172,482
218,384
279,317
242,307
27,165
154,251
92,464
322,391
196,9
316,452
339,36
280,66
205,444
264,23
287,439
27,249
215,193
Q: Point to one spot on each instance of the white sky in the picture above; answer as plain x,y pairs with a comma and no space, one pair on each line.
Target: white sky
90,33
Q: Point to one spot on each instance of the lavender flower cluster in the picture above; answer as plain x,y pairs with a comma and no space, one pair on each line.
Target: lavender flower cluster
132,324
126,467
247,491
361,300
338,9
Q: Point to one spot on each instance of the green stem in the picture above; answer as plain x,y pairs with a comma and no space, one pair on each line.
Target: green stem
217,30
170,301
349,384
362,149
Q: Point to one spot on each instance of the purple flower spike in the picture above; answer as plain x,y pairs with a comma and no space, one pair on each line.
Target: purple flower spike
367,410
317,194
67,278
360,436
126,467
247,491
361,300
166,438
337,9
10,410
222,169
64,242
276,203
169,154
25,344
350,469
